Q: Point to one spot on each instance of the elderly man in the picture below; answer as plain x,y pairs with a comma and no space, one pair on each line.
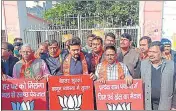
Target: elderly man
29,66
158,78
128,55
7,60
168,53
144,43
76,62
111,69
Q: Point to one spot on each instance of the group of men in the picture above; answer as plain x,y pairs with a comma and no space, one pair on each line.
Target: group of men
153,62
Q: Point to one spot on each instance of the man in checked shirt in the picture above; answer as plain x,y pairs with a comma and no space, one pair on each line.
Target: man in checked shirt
111,69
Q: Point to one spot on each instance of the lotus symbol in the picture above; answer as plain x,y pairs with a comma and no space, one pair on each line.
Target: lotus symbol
120,106
71,102
23,106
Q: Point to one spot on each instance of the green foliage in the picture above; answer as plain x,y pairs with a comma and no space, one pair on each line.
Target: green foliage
99,12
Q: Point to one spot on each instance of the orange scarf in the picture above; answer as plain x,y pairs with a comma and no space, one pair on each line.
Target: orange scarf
96,58
103,71
66,64
25,66
143,56
57,54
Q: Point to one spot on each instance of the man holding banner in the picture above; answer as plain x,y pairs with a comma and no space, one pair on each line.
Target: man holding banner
76,62
29,66
110,69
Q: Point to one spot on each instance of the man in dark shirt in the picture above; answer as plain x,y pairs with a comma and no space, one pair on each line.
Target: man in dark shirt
7,60
54,59
76,62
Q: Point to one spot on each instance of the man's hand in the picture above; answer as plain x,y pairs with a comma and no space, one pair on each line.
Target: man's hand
93,76
38,78
129,80
4,77
102,80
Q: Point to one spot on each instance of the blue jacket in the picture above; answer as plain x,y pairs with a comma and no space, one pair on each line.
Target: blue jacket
10,63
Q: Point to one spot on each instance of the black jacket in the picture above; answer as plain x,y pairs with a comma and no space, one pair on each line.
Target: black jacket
12,61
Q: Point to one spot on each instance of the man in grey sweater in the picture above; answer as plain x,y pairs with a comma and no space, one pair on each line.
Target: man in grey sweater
128,55
158,77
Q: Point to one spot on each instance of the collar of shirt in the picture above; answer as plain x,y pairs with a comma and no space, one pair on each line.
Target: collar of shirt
111,65
157,67
78,59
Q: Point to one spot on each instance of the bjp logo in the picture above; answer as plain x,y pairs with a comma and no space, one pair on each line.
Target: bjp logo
71,102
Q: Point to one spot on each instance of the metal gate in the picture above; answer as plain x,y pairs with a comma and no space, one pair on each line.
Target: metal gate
79,26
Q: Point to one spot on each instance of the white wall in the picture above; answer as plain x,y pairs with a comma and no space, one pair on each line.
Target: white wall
35,22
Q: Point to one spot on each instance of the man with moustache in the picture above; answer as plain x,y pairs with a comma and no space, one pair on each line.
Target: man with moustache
76,62
109,39
30,67
144,43
128,55
168,53
158,77
54,60
111,69
97,52
88,47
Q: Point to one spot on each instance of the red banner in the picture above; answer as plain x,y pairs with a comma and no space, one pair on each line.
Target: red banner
20,94
71,93
116,95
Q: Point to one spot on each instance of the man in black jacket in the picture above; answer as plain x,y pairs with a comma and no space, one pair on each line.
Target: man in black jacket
7,60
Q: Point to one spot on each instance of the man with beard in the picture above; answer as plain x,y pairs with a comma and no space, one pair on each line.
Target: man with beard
29,66
76,62
158,77
111,69
168,53
144,43
128,55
